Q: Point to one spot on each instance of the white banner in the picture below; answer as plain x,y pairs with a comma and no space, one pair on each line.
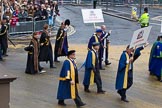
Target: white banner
92,15
140,36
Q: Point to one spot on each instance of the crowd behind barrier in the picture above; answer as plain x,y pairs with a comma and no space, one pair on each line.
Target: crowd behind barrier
26,16
27,26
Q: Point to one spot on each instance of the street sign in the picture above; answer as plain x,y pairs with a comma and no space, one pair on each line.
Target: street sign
92,15
140,36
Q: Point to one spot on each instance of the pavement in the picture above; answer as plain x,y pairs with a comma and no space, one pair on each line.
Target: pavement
40,91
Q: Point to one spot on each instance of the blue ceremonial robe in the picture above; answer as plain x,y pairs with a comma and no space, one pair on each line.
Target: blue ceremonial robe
65,46
124,70
155,62
93,39
68,72
90,64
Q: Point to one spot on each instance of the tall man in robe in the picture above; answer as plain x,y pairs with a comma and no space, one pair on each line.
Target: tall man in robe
155,62
124,78
61,44
92,72
96,37
68,88
105,42
46,53
3,37
33,66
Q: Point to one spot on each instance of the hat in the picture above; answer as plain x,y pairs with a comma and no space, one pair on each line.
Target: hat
146,9
71,52
98,30
95,44
67,22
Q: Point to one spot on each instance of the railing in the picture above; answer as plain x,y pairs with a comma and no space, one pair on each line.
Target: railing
28,26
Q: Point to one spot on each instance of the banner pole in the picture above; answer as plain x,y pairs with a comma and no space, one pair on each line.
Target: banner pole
94,24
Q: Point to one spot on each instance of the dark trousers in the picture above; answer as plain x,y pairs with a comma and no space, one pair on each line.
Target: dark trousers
107,53
77,100
122,92
51,58
100,56
98,82
0,52
143,25
56,56
4,51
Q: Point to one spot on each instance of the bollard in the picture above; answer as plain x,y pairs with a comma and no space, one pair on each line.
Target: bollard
5,80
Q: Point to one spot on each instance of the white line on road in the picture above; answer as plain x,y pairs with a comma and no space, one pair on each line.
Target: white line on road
155,24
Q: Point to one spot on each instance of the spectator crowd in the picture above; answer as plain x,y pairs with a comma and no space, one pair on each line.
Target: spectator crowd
15,11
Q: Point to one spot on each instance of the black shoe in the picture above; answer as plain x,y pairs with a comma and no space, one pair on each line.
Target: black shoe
5,55
159,78
152,74
80,105
107,63
102,68
52,67
41,68
119,92
61,103
57,61
87,90
1,59
125,100
101,92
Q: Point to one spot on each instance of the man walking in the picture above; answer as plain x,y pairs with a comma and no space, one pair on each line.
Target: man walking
68,81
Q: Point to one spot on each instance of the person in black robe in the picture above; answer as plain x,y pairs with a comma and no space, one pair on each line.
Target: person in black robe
61,44
46,53
33,66
3,39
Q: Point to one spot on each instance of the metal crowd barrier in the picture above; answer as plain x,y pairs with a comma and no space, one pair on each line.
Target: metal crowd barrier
27,27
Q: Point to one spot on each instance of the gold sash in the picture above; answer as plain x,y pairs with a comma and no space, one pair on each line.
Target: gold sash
72,74
126,73
92,72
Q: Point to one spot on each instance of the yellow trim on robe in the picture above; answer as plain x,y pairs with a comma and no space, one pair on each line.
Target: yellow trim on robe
72,74
4,31
92,72
62,79
126,73
60,35
96,38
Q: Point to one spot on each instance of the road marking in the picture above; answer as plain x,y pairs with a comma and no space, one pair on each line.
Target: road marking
157,18
155,24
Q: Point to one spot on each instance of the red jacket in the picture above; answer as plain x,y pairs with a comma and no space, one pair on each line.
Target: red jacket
14,20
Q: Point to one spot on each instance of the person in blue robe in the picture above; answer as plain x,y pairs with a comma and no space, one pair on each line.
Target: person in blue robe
124,78
96,37
92,72
155,62
68,88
